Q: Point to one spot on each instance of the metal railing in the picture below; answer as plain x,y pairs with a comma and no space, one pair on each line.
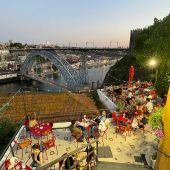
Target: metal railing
166,155
62,158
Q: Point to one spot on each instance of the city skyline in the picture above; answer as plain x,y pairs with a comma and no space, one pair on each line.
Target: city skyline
102,22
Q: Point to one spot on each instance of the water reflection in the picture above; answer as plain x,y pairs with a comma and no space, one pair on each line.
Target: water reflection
94,75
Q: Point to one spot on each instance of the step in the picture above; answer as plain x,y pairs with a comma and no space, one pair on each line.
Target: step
119,166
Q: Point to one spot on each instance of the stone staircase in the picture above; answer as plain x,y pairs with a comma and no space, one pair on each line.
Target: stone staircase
119,166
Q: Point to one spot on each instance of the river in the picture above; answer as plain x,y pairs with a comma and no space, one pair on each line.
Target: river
94,75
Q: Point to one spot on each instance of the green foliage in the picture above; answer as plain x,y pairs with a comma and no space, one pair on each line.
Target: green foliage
120,71
7,130
155,120
150,43
120,106
17,45
153,42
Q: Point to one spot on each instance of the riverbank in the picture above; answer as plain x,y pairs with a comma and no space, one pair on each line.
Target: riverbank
7,77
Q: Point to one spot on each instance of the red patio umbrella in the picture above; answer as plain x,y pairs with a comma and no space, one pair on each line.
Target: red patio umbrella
131,75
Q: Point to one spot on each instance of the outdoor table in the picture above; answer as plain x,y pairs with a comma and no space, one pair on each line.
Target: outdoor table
39,129
17,164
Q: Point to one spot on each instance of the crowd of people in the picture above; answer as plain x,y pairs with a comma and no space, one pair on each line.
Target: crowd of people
135,103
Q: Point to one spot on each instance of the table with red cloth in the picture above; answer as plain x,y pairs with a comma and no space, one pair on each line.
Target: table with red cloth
39,129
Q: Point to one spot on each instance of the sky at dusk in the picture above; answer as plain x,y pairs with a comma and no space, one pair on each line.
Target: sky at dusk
77,21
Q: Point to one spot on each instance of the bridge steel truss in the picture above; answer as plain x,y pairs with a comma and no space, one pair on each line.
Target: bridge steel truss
71,76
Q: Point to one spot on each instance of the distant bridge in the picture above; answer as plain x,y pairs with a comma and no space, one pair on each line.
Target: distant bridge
73,48
117,52
70,75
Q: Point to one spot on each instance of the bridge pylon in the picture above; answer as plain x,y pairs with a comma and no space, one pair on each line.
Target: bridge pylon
83,70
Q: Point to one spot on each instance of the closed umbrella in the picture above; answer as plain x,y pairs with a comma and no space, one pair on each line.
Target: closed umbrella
131,75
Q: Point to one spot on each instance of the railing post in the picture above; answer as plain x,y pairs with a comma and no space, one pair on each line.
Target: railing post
88,162
92,85
97,150
12,151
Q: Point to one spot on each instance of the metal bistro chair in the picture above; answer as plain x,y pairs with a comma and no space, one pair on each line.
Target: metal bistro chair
49,144
103,134
121,129
23,144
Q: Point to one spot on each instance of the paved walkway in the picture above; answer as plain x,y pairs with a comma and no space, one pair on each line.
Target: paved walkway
113,149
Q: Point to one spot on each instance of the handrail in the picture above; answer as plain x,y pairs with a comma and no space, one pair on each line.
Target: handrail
163,153
46,166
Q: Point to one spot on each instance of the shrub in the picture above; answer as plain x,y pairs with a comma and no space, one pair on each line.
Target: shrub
155,120
7,130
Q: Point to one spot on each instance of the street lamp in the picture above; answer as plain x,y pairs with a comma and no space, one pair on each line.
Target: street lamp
153,64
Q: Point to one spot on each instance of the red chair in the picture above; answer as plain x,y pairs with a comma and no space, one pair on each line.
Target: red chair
23,144
121,129
49,144
114,117
6,164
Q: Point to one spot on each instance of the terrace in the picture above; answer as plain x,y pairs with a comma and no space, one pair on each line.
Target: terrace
126,148
131,149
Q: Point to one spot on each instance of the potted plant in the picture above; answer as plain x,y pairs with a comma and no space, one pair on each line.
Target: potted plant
120,106
155,120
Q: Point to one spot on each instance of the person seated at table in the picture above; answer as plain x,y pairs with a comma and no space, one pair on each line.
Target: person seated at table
102,126
101,117
142,122
32,121
139,108
76,131
37,156
135,124
149,105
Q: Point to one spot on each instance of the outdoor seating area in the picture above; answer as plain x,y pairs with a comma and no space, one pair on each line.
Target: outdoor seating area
134,106
124,135
59,143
